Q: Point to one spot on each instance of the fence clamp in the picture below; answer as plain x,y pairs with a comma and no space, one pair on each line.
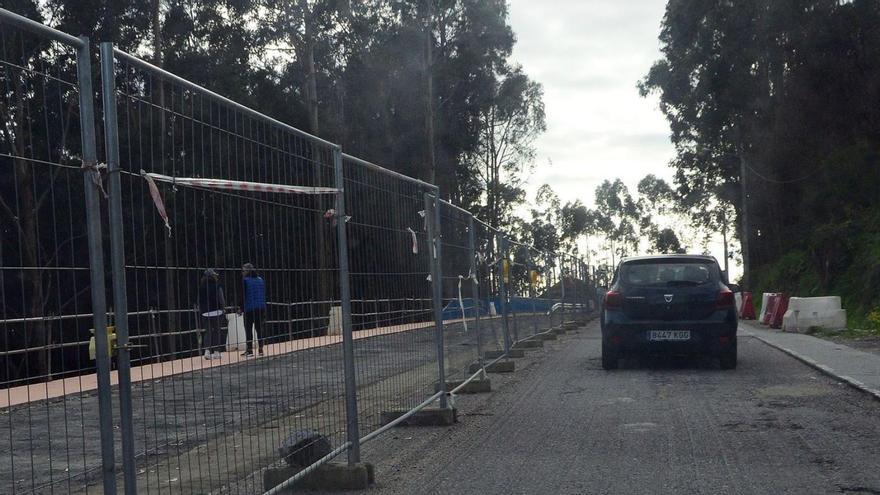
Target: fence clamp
130,346
95,168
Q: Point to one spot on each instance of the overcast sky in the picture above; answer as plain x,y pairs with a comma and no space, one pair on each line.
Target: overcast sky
589,55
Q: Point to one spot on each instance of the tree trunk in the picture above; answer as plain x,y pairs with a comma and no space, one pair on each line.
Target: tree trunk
167,244
311,80
322,255
35,332
429,92
724,237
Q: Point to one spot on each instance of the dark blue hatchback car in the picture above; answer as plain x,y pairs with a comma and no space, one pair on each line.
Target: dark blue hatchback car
670,304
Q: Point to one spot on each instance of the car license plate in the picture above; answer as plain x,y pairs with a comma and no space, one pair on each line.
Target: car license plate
656,335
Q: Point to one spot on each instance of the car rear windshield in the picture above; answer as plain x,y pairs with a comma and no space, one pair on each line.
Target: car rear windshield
665,273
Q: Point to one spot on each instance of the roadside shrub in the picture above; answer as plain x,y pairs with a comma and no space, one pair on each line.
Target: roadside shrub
874,318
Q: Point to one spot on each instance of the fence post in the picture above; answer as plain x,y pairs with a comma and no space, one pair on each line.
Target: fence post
312,319
511,293
376,322
475,286
117,263
289,323
533,290
96,261
562,285
585,285
503,293
351,409
574,288
432,214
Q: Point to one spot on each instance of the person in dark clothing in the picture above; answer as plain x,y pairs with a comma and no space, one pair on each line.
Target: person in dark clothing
254,305
211,306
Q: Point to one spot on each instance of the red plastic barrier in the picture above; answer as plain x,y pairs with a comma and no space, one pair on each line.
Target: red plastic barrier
779,311
747,310
771,306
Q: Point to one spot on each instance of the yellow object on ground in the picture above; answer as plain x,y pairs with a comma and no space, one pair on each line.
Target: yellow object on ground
111,342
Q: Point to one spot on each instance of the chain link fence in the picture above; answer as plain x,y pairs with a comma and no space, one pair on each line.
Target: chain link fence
262,289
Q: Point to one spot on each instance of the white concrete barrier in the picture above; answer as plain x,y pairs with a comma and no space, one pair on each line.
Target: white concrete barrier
739,302
819,312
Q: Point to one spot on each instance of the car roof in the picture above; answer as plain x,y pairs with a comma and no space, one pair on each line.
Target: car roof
670,257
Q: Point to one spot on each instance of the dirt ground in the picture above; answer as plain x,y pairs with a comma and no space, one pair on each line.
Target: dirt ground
197,432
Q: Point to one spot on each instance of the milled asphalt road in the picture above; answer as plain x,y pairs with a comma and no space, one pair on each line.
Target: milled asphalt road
563,425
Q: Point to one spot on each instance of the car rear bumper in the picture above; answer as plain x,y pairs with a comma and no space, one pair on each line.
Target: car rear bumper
711,338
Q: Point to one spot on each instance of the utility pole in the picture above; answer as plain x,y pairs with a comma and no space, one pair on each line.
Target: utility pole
724,238
744,211
429,90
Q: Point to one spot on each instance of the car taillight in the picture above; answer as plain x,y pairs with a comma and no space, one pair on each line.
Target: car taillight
613,299
725,299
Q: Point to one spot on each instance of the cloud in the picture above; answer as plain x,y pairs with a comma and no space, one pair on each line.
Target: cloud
589,55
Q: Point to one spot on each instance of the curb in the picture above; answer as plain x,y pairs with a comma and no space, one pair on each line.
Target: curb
852,382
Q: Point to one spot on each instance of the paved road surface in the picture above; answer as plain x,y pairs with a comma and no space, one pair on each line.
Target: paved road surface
563,425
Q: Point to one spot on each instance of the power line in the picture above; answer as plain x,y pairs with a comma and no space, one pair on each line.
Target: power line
775,181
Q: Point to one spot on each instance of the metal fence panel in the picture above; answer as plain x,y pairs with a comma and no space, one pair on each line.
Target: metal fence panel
205,421
376,292
51,278
391,291
462,308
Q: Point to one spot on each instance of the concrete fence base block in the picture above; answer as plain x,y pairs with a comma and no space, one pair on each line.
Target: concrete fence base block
499,367
514,353
529,344
560,330
331,477
425,417
570,325
548,336
475,386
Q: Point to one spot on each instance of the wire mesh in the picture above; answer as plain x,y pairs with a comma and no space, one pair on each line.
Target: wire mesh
528,277
488,269
391,294
206,413
463,311
44,268
392,309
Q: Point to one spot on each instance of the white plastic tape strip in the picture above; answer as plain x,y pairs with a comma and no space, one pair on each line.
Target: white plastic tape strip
461,304
238,185
415,241
461,300
157,200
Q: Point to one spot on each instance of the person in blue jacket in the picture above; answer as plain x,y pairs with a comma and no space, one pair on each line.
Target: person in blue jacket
254,305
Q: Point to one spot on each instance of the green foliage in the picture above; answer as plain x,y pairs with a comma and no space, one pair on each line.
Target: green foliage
355,73
855,332
665,241
874,318
793,274
855,278
790,93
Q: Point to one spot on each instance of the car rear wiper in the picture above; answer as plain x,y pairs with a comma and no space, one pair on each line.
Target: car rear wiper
683,283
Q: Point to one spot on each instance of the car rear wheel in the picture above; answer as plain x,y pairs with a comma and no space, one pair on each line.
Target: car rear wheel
728,358
609,357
